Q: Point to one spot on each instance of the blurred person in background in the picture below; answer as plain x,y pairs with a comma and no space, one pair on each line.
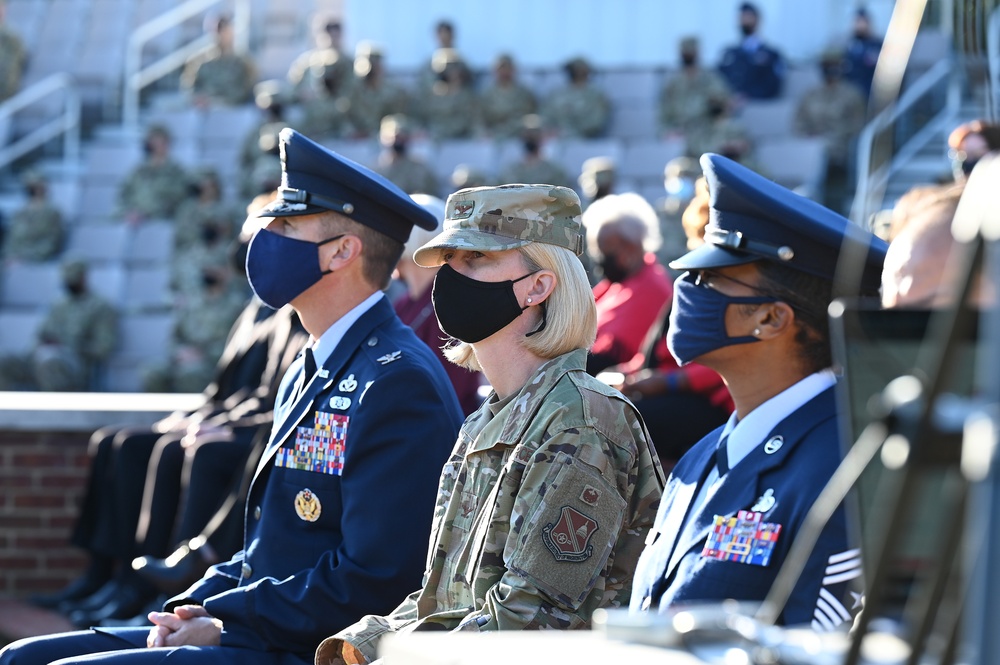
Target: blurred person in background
533,167
684,99
466,177
835,112
204,218
74,340
449,108
968,143
622,234
753,69
861,53
723,134
505,101
221,76
579,109
261,142
325,114
372,97
36,231
410,174
157,186
313,71
597,179
679,178
13,59
415,309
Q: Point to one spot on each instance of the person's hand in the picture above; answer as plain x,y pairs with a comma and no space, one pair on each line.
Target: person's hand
644,383
187,625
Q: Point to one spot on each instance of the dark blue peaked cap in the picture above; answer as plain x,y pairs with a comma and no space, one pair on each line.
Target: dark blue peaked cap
752,218
315,179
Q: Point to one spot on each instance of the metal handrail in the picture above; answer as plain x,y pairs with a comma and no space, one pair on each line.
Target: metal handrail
872,179
993,63
67,124
136,77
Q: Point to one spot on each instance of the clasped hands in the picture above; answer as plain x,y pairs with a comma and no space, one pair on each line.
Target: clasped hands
189,625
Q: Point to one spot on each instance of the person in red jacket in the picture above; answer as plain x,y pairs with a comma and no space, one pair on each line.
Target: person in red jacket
623,232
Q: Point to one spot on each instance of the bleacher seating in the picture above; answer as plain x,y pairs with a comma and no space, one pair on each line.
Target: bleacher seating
18,330
131,264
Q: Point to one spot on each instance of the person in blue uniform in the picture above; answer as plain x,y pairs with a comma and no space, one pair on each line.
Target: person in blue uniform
752,69
752,306
339,510
861,53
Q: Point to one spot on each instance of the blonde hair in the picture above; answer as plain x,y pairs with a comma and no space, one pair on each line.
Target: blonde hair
570,313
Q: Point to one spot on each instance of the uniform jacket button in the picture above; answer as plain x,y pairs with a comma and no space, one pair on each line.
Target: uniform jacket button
256,513
247,571
373,341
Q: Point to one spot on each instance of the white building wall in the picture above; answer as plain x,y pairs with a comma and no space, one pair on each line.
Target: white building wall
611,33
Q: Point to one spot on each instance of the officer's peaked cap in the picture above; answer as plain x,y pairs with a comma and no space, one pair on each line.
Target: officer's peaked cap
315,179
752,218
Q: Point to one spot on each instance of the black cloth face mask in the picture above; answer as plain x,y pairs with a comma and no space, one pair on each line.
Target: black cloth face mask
470,310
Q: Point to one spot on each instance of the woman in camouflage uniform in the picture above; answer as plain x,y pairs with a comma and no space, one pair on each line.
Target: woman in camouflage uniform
552,485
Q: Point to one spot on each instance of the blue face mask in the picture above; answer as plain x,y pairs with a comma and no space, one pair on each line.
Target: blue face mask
698,319
281,268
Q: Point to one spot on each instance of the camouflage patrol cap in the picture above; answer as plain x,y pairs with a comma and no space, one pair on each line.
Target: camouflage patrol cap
507,217
689,45
73,270
392,126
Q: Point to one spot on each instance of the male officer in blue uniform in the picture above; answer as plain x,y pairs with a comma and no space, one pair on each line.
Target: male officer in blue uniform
752,306
338,514
752,68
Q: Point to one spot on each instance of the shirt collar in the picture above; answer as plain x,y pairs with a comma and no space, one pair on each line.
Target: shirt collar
746,434
324,347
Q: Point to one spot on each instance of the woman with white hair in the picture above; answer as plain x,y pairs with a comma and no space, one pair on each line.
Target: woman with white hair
544,505
415,309
623,232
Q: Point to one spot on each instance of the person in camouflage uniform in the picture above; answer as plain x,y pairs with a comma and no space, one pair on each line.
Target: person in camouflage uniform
200,330
156,187
325,116
204,216
221,76
449,108
310,71
679,178
533,167
834,111
505,102
77,335
261,143
12,59
543,508
723,134
410,175
684,100
371,97
36,231
579,109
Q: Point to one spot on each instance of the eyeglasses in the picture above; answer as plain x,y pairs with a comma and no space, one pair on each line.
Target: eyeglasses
704,279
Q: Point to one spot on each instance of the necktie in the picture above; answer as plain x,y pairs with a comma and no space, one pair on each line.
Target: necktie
308,370
722,457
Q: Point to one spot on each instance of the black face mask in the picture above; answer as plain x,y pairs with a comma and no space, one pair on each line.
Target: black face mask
470,310
612,270
209,234
688,59
531,145
747,30
75,289
399,148
209,280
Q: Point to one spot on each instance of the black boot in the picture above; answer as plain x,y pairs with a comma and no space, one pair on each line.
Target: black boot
178,571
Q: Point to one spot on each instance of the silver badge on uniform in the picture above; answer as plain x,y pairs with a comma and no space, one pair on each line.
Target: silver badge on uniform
389,357
773,445
340,402
348,385
765,502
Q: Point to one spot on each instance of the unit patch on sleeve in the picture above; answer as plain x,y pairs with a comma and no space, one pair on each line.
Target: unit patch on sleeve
569,538
319,448
744,539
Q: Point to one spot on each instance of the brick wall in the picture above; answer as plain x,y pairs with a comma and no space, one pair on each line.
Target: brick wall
43,476
43,472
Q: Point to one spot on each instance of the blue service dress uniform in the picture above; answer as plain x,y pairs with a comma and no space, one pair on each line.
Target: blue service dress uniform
757,73
327,545
780,480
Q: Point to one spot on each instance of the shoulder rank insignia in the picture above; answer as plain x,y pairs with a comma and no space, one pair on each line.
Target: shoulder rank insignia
307,506
389,357
569,538
743,539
